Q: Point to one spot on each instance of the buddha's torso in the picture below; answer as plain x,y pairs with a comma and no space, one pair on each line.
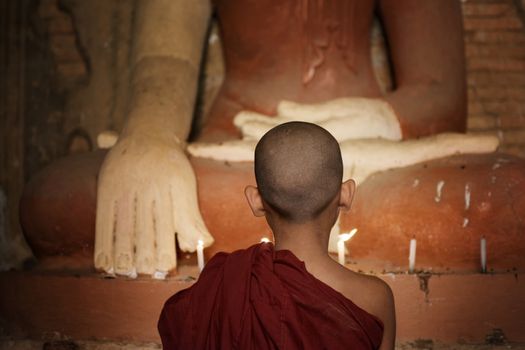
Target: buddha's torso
300,50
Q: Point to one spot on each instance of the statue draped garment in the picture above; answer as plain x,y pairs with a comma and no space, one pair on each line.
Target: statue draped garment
259,298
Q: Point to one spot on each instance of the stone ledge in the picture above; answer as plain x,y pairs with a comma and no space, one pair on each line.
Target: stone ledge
447,308
31,344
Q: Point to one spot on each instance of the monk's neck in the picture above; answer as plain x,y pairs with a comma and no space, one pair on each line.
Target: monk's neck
308,243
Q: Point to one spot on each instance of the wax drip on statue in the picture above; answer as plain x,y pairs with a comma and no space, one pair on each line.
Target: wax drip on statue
327,23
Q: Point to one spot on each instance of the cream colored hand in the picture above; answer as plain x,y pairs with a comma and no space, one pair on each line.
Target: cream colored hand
146,193
345,118
366,129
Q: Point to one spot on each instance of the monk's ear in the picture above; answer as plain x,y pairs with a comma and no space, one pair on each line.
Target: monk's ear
254,200
347,194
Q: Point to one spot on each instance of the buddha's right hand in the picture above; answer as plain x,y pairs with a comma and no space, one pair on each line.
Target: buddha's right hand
146,193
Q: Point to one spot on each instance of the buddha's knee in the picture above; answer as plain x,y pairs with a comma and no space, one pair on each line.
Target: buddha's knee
57,211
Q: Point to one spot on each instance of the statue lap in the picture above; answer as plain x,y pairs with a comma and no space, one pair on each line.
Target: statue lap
389,209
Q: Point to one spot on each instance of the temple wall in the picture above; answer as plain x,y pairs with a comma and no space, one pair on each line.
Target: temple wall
12,127
495,52
76,75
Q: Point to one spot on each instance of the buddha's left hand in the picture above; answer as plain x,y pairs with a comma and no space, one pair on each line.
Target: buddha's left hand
345,118
366,129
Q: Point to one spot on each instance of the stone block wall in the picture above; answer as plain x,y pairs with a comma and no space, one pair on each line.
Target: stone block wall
76,75
65,48
495,54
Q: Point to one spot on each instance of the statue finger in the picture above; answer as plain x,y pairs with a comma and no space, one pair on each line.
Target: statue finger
164,232
233,151
104,232
145,235
124,235
254,130
248,116
187,218
345,129
190,230
301,112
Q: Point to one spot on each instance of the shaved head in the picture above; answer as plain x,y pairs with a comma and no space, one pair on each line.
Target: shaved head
298,168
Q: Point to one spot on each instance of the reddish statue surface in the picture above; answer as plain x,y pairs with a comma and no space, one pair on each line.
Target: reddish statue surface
315,51
307,52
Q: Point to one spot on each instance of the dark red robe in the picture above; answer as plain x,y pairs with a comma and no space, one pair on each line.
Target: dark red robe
259,298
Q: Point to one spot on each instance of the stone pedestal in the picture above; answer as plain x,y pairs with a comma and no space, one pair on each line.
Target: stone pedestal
446,204
447,308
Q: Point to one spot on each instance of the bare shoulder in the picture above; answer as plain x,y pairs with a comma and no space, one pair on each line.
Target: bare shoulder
373,294
370,293
383,306
379,287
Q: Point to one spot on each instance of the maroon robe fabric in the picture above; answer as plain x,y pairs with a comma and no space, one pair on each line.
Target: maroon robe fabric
259,298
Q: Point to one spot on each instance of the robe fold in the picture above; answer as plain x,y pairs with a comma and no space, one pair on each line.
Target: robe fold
259,298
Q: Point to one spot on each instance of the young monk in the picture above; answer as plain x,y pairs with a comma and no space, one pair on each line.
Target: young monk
292,295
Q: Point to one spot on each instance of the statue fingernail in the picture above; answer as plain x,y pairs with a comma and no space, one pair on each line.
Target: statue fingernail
102,261
123,261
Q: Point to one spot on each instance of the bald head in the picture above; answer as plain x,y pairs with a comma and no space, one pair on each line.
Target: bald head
298,168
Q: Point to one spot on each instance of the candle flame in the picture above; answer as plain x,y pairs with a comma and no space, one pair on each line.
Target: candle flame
343,237
200,243
265,240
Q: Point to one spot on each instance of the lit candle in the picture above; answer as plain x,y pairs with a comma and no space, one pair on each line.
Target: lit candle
341,251
200,254
483,247
265,240
343,237
412,255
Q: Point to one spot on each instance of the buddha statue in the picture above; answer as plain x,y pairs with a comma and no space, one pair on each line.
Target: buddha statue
284,60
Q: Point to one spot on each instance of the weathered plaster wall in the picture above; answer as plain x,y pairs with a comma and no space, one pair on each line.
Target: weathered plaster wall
76,75
495,52
13,21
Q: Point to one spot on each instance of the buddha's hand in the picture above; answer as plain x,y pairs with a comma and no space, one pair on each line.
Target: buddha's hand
146,193
345,118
